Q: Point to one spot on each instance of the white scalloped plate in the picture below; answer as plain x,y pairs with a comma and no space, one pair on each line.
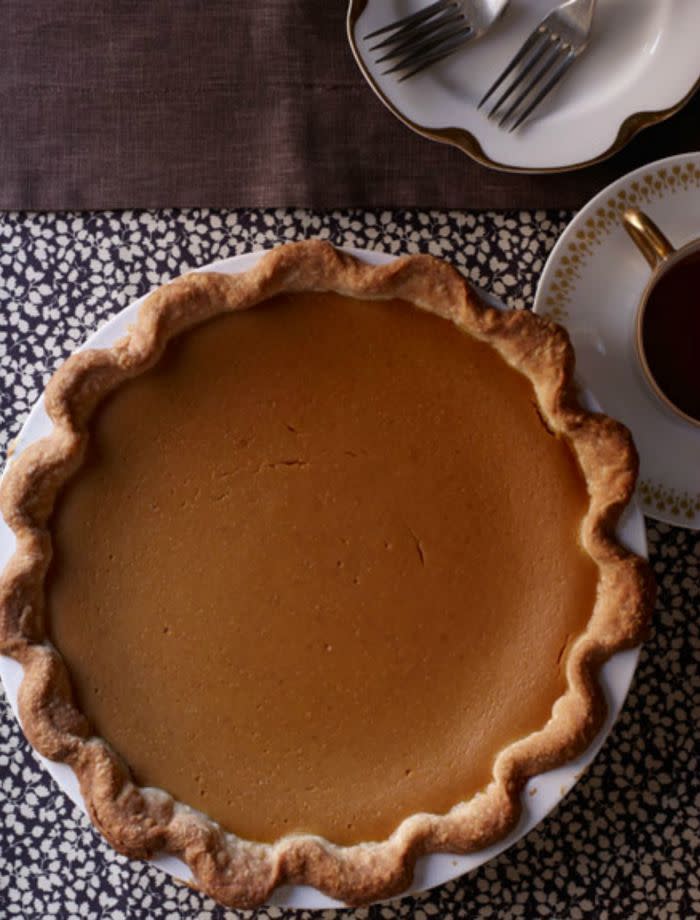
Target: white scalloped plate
542,793
641,66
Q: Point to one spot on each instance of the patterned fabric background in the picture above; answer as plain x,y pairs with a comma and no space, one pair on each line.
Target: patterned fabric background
624,843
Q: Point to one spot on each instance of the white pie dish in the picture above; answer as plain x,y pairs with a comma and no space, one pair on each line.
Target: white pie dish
431,870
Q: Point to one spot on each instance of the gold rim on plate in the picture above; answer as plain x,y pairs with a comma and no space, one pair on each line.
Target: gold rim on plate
466,142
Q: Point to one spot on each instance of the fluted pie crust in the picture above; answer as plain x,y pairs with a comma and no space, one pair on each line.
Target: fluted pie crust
141,821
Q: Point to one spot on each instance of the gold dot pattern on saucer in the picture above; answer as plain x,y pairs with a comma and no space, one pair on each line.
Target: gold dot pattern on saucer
650,187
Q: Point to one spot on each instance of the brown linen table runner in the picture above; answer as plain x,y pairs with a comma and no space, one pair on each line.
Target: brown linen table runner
147,103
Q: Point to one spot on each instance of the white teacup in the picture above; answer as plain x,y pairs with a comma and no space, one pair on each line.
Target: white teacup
671,370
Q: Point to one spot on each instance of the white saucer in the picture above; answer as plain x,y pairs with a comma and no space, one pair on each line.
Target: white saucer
641,66
542,793
592,284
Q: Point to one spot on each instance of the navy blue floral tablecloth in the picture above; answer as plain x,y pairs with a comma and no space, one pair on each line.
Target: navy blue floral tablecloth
624,843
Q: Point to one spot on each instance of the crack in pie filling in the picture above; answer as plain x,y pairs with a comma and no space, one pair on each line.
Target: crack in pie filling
331,576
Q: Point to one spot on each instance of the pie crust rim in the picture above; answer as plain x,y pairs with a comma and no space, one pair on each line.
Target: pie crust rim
142,821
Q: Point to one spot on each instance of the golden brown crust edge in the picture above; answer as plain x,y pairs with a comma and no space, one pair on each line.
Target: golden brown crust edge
140,822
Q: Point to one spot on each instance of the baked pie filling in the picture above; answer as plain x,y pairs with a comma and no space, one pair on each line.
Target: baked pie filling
338,593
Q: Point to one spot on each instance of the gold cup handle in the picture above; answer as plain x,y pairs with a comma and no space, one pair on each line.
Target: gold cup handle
647,237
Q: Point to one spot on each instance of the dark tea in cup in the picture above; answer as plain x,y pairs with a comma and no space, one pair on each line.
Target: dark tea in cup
670,333
668,320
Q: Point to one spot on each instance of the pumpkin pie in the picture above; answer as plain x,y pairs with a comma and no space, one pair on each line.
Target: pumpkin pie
316,567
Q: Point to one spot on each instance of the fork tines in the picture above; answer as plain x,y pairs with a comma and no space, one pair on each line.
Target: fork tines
423,38
534,71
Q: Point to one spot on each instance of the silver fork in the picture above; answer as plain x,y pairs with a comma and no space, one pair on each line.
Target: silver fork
431,34
542,61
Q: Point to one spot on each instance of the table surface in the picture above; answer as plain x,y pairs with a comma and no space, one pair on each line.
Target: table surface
252,103
624,843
